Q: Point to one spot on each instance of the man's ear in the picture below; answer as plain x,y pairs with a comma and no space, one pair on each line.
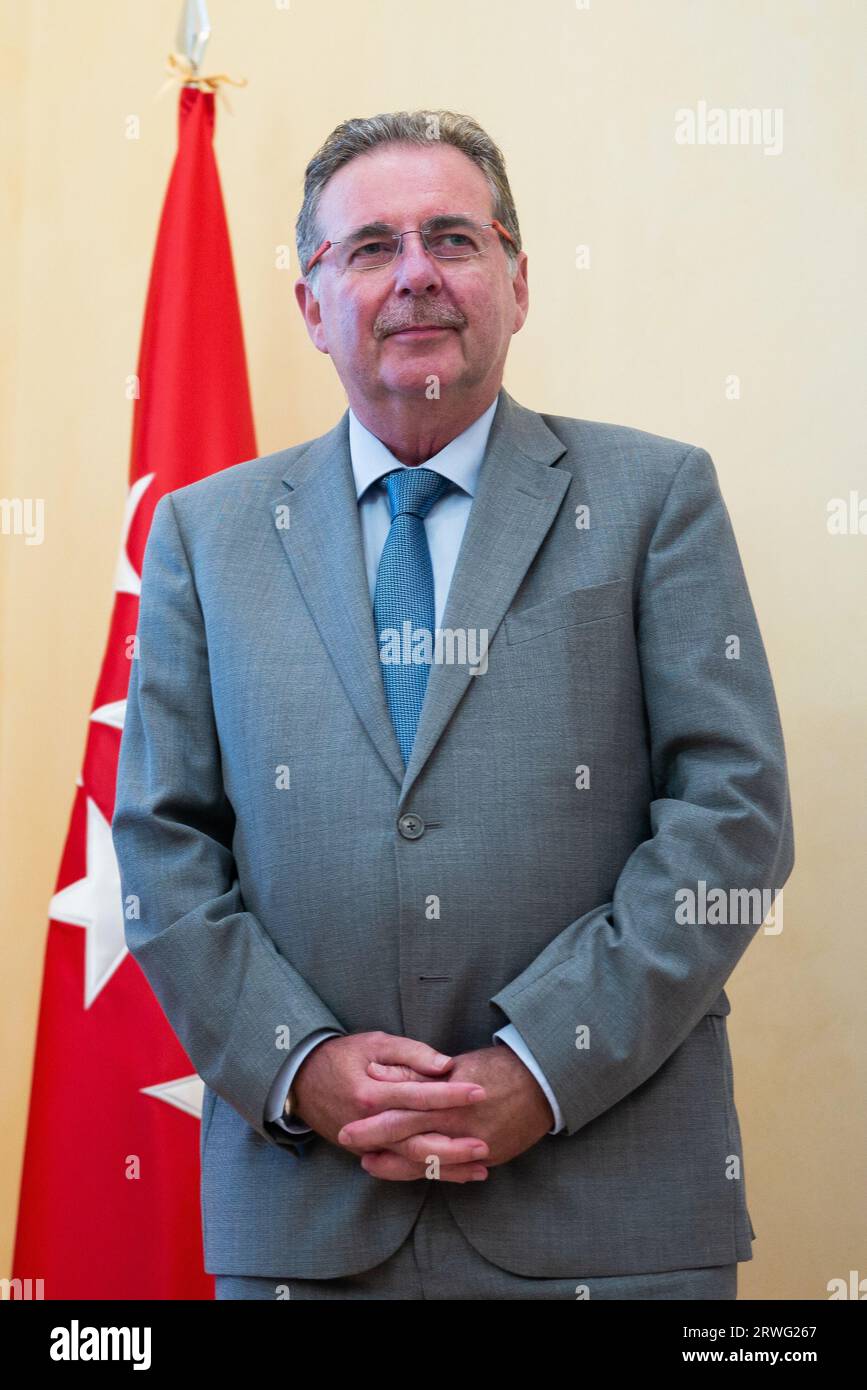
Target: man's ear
309,306
522,292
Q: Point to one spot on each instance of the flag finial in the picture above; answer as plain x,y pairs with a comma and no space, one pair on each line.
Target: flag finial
194,30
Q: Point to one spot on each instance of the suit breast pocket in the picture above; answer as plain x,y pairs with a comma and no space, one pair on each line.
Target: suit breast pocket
588,604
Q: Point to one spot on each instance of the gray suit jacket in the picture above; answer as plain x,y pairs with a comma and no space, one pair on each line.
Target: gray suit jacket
260,814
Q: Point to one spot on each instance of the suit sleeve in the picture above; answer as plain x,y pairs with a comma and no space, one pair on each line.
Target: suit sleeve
631,972
228,993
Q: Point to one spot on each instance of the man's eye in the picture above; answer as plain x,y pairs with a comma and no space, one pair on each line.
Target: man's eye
458,241
369,248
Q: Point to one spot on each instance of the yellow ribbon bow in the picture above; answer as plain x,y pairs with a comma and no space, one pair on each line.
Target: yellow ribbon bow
180,70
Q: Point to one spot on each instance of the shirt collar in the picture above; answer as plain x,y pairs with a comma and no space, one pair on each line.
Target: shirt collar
459,461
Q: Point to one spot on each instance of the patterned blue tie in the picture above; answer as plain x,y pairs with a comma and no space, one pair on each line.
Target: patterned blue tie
405,592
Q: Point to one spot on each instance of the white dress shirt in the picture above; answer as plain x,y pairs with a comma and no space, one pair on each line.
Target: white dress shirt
444,525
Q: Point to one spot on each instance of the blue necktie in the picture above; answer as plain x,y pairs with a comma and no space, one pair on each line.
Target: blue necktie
405,593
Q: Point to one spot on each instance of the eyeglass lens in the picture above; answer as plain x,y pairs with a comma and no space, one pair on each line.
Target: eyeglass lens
446,238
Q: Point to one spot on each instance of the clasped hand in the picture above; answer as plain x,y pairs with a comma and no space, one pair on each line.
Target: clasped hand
378,1096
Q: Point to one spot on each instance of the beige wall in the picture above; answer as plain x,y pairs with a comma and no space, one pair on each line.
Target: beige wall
706,261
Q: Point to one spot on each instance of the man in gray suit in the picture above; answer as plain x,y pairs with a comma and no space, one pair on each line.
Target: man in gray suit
452,788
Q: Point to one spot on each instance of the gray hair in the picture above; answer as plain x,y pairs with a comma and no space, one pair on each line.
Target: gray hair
360,134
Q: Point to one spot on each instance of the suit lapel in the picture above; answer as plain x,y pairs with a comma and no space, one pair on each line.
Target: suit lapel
324,546
517,497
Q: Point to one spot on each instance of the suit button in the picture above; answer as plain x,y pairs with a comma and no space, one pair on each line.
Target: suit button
411,826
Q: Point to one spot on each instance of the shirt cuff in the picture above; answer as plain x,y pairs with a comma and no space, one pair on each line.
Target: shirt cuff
513,1039
285,1076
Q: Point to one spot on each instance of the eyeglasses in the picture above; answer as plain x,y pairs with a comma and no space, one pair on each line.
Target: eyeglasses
448,238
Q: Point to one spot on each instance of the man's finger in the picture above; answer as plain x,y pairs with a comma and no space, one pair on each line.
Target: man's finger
393,1168
386,1128
381,1071
421,1148
395,1049
426,1095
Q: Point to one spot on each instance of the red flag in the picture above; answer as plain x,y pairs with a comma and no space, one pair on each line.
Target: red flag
110,1188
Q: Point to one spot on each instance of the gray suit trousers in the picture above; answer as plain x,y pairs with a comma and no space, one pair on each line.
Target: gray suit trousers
436,1261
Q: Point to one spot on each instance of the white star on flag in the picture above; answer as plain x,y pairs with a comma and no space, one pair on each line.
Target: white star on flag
186,1092
94,902
126,580
112,714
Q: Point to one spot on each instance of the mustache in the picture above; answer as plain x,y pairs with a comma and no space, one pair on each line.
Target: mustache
440,317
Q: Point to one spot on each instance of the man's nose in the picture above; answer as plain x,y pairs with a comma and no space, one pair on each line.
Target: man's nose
415,268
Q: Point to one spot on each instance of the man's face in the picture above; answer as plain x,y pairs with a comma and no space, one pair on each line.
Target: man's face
474,303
